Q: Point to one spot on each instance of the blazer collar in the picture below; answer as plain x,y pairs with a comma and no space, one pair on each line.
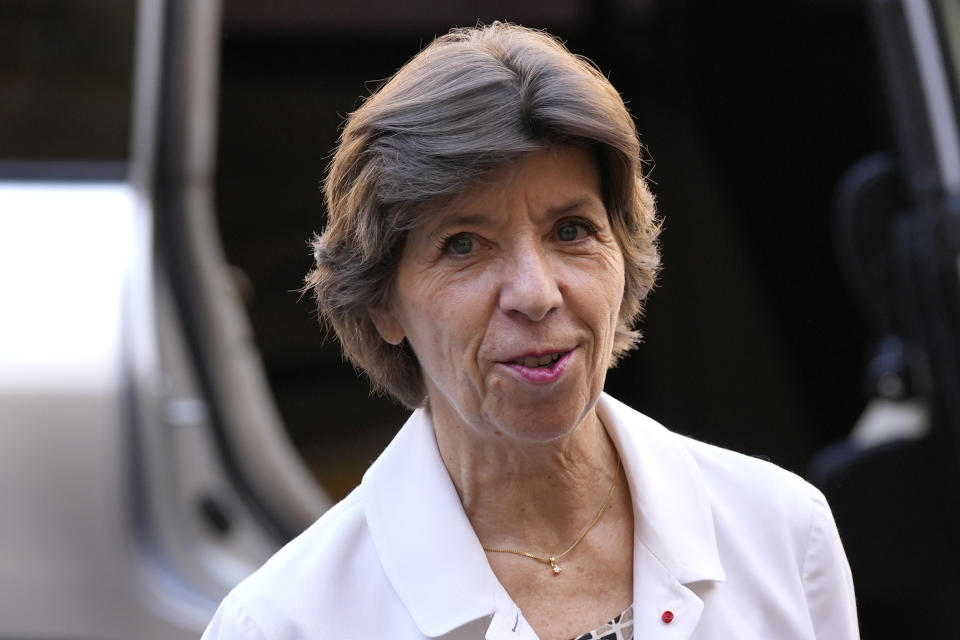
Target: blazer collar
425,542
432,556
673,517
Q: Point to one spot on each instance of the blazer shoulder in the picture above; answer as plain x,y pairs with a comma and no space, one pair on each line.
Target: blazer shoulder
748,475
742,487
338,531
772,522
751,490
307,582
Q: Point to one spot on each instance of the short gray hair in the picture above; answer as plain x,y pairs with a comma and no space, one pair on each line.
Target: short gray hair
469,102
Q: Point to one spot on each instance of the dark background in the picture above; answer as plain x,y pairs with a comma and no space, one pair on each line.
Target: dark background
751,112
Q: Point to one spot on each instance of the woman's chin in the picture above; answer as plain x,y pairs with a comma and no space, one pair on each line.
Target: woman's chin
535,423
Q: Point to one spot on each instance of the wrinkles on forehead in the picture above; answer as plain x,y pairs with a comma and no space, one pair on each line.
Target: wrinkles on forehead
479,203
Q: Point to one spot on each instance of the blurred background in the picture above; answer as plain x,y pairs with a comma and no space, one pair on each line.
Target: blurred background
751,114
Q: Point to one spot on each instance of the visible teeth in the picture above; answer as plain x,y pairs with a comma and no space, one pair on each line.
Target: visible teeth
543,361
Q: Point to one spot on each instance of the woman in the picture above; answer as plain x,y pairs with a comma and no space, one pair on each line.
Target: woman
490,243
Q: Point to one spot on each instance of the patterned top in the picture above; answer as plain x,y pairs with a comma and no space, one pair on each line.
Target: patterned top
620,628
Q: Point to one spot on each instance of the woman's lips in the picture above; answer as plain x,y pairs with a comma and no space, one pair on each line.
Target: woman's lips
542,369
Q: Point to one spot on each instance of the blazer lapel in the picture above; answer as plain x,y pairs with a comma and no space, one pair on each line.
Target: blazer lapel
663,607
424,540
674,537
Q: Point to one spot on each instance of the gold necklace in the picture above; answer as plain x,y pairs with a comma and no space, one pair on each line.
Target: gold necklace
552,560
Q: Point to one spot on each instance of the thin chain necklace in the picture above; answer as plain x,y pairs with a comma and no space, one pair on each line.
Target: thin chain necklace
552,560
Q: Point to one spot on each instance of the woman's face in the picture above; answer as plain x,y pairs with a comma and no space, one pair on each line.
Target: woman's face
509,297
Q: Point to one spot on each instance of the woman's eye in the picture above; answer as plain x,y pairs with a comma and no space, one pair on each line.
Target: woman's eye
570,231
459,245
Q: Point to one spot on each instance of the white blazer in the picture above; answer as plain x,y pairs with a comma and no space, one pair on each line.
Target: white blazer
734,547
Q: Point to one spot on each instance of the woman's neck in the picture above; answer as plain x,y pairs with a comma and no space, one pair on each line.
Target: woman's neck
534,496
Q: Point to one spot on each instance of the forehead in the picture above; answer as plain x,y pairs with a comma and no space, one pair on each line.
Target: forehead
550,182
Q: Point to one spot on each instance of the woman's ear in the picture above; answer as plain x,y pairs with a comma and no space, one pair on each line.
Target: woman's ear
387,326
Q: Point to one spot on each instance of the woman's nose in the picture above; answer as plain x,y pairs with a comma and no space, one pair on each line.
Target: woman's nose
529,286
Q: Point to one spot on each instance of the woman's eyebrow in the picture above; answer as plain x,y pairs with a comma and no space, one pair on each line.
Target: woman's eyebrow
466,218
458,219
584,202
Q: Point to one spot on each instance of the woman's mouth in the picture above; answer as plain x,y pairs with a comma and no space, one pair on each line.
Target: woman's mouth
540,369
543,361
